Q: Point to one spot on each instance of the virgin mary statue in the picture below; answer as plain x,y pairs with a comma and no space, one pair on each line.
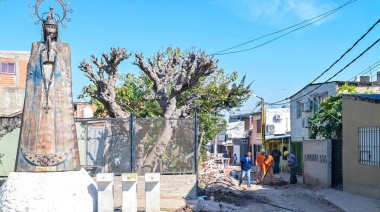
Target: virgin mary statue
48,140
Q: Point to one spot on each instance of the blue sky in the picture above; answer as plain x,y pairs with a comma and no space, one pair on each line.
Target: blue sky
278,69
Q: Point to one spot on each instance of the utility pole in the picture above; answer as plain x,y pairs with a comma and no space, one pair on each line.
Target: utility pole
263,122
263,117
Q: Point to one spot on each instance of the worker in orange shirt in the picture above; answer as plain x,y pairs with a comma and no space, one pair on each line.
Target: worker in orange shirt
268,167
260,158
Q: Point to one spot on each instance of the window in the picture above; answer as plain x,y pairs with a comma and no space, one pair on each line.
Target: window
7,68
318,99
369,146
299,109
258,126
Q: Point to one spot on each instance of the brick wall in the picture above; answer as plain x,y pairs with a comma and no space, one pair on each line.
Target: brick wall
20,59
12,86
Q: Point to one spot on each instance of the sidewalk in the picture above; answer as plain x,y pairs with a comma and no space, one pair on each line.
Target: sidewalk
350,202
344,200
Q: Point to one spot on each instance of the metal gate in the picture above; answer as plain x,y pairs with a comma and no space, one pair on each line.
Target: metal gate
336,164
95,146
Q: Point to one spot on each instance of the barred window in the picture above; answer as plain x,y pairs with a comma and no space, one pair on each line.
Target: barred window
369,146
7,68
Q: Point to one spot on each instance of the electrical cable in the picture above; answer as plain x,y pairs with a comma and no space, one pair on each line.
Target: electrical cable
324,15
370,29
374,67
344,54
236,189
361,54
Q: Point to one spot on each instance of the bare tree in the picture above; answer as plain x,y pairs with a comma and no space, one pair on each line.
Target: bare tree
172,73
104,90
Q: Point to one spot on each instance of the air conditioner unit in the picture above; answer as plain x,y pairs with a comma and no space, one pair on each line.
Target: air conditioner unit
270,128
229,135
305,123
307,106
277,116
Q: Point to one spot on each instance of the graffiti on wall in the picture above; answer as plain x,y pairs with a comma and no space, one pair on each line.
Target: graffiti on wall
315,157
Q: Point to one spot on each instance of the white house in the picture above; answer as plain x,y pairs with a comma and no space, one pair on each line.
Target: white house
305,103
230,139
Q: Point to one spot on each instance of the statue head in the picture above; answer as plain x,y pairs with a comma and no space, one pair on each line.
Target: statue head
50,26
51,20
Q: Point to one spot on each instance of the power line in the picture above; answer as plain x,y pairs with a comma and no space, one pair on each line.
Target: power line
377,22
369,30
318,86
324,15
375,67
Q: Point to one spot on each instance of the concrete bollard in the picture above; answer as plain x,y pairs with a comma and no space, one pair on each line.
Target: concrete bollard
105,192
152,192
129,186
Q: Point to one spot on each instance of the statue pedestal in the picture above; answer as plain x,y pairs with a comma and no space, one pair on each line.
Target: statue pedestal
49,191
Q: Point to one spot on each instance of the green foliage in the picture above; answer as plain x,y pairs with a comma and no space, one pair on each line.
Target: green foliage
327,121
217,92
133,95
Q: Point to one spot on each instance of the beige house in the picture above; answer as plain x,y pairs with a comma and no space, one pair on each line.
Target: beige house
361,144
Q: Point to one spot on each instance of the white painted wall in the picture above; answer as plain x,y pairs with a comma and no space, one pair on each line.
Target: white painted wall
300,133
237,152
317,162
234,129
280,119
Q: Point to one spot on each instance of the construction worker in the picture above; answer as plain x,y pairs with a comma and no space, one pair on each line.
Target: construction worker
293,165
260,158
268,167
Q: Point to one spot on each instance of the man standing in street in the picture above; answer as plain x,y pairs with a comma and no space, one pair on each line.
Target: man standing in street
260,158
293,166
246,165
276,156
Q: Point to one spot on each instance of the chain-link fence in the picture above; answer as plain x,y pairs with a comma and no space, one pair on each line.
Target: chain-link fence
138,145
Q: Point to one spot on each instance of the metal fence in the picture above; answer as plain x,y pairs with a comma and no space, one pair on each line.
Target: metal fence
138,145
369,146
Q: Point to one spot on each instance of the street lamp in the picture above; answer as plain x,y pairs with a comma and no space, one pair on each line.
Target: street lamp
263,127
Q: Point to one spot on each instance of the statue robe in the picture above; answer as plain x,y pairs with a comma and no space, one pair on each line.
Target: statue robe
48,140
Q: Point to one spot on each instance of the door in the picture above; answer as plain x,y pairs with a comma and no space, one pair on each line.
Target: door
95,146
336,164
230,150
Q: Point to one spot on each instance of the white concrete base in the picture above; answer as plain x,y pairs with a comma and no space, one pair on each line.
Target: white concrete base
48,191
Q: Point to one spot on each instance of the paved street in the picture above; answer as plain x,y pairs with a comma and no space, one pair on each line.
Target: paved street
282,197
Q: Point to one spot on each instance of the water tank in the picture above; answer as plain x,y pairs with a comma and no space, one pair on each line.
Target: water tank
87,112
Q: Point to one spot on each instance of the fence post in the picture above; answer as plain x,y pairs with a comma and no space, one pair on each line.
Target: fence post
152,192
105,192
196,150
132,135
129,186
